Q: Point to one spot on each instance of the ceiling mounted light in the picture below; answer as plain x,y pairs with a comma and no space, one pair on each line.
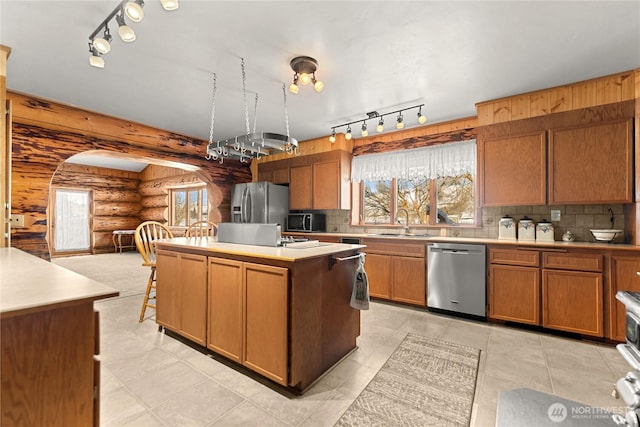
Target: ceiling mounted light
364,132
304,68
103,44
125,32
170,4
95,60
422,119
380,127
134,11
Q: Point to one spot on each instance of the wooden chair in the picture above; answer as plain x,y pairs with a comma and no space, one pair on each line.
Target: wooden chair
145,236
202,229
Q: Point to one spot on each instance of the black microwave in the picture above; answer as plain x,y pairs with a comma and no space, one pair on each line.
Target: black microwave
306,222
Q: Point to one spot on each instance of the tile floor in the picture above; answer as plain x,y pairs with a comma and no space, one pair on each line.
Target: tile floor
151,379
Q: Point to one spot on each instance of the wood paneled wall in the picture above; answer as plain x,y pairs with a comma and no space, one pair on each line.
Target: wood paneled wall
46,133
589,93
115,201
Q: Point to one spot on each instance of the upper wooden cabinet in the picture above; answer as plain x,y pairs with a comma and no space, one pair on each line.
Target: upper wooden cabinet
316,181
591,164
514,170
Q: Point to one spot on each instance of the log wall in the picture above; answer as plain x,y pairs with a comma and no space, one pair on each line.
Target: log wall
115,199
46,133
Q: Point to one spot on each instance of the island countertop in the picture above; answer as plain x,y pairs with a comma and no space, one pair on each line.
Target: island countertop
30,284
288,254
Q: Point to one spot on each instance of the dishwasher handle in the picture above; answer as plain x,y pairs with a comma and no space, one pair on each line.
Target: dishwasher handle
456,251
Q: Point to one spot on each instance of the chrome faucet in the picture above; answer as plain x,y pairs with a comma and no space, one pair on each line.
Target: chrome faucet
406,223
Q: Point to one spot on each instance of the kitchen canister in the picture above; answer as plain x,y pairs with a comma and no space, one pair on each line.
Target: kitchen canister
526,230
507,229
544,231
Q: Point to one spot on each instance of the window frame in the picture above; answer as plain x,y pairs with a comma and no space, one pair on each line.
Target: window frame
200,188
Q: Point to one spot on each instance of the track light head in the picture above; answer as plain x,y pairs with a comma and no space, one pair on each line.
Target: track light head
380,127
364,132
95,60
318,85
332,138
422,119
348,135
293,87
125,32
103,44
170,4
134,11
400,121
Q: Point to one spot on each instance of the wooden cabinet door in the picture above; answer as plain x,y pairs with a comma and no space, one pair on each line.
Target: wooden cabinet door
624,277
514,293
572,301
265,326
301,187
326,185
514,170
591,164
378,268
409,283
226,308
168,290
193,297
281,176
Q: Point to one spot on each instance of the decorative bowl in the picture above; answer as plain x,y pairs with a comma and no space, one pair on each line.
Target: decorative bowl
605,235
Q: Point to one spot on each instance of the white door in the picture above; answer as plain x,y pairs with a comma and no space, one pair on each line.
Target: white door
71,230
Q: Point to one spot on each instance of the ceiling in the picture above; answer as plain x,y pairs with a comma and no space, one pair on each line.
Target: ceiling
373,55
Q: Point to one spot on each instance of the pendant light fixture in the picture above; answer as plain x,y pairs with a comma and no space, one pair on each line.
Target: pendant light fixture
304,68
252,145
400,123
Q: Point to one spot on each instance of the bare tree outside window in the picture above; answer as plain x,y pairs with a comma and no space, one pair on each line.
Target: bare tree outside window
377,202
413,197
455,198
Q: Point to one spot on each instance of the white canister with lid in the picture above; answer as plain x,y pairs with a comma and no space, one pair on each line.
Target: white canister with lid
507,229
526,230
544,232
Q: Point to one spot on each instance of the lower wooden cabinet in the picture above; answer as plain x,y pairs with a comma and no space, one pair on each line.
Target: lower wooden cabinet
396,271
572,301
624,277
181,289
514,293
248,315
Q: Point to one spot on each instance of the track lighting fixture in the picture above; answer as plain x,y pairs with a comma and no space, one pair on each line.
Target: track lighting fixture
133,10
400,123
304,68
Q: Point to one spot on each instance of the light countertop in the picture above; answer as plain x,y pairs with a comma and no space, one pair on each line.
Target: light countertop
30,284
209,244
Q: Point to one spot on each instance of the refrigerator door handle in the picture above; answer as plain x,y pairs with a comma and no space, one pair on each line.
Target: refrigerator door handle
246,205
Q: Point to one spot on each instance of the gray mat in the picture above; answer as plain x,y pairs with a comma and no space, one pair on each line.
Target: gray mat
122,271
425,382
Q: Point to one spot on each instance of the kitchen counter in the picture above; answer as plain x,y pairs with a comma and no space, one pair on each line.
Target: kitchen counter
29,284
50,340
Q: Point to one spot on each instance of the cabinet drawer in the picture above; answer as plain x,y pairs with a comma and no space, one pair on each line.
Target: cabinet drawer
528,258
390,248
572,261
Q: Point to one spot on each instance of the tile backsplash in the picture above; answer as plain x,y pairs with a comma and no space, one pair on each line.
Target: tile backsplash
577,218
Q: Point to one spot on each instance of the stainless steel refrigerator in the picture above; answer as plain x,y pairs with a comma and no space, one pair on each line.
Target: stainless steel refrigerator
260,202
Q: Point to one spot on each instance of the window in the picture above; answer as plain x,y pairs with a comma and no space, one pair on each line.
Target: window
405,187
188,205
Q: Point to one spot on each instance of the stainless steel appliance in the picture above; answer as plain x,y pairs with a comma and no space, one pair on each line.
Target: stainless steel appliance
628,387
306,222
259,202
456,277
250,234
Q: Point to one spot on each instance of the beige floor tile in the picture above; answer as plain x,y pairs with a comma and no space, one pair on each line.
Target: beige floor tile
246,415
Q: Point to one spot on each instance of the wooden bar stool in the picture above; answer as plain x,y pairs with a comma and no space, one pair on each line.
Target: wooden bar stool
146,235
202,229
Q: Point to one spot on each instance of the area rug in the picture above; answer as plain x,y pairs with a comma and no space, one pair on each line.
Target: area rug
425,382
122,271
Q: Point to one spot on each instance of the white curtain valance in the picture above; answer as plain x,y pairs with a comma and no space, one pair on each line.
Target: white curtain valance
451,159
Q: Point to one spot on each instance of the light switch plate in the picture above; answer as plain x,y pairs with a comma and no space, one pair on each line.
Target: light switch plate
17,221
555,215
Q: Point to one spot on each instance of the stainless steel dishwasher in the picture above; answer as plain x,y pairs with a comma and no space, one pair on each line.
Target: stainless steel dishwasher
456,278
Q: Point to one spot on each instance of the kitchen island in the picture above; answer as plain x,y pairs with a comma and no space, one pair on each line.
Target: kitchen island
50,340
282,312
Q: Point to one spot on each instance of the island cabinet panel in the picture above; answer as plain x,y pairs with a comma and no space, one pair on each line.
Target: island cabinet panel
182,294
625,269
226,308
514,294
301,187
266,314
591,164
513,170
572,301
